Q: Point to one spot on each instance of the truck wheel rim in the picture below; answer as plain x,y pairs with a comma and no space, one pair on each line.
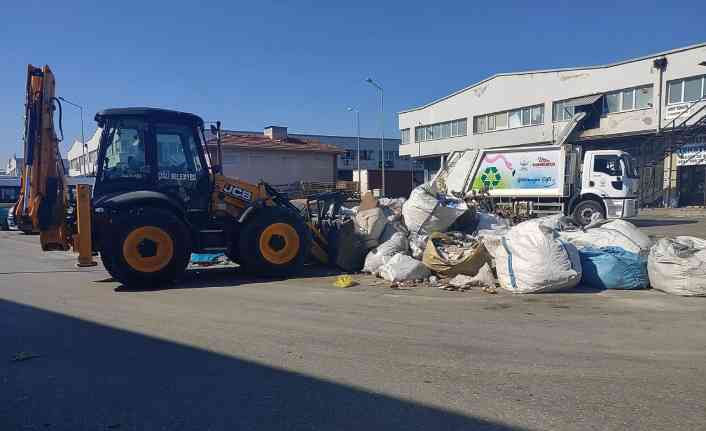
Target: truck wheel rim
279,243
148,249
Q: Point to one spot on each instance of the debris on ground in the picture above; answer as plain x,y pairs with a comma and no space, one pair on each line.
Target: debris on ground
678,266
344,281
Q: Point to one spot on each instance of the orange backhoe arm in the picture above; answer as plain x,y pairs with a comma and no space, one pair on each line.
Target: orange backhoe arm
42,206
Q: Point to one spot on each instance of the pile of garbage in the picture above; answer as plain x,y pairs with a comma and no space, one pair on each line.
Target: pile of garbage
433,239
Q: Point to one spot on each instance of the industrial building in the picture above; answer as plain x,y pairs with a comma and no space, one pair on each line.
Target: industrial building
652,106
401,173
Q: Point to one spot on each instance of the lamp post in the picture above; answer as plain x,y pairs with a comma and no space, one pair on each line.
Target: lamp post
83,137
357,144
382,131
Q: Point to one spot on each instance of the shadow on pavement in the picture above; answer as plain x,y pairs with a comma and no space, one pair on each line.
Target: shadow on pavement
227,276
91,376
660,222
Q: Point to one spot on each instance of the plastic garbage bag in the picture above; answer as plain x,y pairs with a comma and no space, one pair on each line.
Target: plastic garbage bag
428,211
461,257
401,267
533,259
613,268
376,258
348,246
489,221
417,244
371,221
613,233
392,228
678,266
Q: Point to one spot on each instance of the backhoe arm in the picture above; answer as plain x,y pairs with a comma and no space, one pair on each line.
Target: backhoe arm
42,204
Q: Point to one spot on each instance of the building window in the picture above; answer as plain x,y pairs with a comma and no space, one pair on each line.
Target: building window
404,136
628,99
562,111
686,90
447,129
643,97
528,116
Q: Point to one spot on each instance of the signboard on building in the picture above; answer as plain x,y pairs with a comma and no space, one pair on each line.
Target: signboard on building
693,153
518,170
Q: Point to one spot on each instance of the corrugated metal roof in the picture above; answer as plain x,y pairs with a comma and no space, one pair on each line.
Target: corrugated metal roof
582,101
261,142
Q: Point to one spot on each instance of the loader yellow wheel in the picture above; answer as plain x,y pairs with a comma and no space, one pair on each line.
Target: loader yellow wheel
279,243
273,242
148,249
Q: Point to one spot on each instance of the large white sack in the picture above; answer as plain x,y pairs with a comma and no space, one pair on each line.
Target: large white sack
379,256
424,213
372,221
613,233
401,267
533,259
678,266
558,222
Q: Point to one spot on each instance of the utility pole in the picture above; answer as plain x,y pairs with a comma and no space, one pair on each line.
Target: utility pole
382,131
357,146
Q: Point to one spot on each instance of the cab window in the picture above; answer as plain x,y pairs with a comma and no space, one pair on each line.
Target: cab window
609,165
9,194
177,152
125,151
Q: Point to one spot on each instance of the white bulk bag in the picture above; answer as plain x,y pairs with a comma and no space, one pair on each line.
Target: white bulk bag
613,233
678,266
533,259
424,213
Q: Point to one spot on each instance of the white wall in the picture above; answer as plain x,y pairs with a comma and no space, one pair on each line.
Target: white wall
279,167
519,90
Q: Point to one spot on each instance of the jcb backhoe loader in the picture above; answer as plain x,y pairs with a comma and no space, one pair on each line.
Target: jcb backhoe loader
157,196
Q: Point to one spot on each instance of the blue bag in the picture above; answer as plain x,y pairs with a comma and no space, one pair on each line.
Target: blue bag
613,268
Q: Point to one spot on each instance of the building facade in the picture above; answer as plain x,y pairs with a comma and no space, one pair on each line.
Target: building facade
14,166
276,157
621,105
82,162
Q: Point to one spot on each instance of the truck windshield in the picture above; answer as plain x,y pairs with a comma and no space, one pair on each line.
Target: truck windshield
630,167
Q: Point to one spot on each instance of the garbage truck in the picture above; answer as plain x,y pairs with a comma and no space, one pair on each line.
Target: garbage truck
548,179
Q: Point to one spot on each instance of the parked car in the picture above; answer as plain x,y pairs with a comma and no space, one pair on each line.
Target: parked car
9,192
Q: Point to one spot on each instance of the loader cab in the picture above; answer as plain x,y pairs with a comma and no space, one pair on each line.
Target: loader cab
153,150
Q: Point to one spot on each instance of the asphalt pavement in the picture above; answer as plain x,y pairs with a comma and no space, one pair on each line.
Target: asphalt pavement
224,351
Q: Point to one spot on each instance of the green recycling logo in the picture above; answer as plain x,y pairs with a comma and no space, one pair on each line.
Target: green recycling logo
491,177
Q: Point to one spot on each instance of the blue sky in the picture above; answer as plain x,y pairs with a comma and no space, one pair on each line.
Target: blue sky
301,63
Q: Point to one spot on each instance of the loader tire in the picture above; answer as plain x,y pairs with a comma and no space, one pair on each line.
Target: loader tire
273,242
149,249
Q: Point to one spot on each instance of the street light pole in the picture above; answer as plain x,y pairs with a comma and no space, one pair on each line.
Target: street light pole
357,145
382,130
83,136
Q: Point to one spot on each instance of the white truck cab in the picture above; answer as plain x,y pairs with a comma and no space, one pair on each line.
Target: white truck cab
609,177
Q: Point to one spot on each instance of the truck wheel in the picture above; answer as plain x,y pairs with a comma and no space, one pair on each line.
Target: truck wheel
585,210
150,249
273,242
